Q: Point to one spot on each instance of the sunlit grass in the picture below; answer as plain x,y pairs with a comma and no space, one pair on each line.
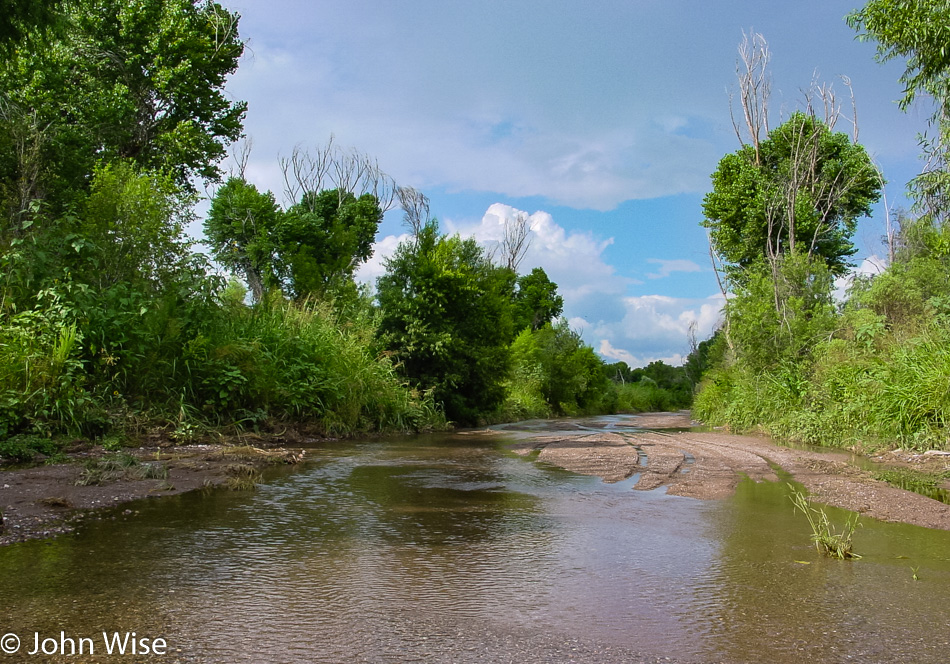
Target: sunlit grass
827,539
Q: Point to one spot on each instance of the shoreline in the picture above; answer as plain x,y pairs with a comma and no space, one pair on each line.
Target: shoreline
709,466
45,501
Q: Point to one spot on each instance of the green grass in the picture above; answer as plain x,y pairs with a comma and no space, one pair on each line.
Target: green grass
828,540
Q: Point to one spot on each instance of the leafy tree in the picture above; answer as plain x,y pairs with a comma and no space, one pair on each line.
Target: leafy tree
779,316
21,17
446,318
536,302
324,238
619,372
314,247
918,31
241,228
574,376
140,80
803,192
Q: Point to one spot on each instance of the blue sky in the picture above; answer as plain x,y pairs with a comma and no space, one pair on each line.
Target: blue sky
601,120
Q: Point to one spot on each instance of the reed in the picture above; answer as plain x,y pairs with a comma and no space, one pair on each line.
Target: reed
827,539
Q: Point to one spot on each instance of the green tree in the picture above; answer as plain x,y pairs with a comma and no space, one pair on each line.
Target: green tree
312,248
536,301
324,238
802,193
241,228
446,318
918,31
22,17
127,79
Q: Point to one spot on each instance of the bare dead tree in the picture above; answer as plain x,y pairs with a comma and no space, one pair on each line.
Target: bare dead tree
240,156
890,236
415,207
755,89
305,172
331,167
516,241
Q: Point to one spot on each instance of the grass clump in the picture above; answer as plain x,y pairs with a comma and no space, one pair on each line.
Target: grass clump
24,448
121,466
242,477
828,541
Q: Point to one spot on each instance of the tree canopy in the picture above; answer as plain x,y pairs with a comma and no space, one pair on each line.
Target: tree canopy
446,317
805,194
123,79
536,301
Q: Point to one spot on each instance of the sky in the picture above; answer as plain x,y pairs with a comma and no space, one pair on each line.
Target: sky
601,120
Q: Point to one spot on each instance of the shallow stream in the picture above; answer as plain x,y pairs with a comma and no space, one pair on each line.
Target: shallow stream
449,548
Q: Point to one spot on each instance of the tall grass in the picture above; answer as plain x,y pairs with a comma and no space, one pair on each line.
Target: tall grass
850,393
197,363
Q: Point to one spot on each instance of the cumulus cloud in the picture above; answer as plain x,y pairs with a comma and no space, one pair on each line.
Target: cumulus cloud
573,260
657,327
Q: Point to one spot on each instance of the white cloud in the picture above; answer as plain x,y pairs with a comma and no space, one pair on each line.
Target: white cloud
669,267
618,354
657,327
573,260
372,269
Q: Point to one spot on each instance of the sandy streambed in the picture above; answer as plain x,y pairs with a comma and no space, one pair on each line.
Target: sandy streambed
710,465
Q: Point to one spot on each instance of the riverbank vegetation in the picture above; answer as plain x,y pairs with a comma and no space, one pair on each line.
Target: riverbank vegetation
114,325
873,369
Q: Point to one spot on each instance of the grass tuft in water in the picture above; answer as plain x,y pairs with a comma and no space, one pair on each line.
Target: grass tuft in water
827,540
242,477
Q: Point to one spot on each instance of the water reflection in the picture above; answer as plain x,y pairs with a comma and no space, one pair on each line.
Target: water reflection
393,550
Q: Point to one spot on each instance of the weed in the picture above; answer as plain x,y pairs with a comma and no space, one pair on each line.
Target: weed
827,540
23,447
112,442
914,570
242,477
55,501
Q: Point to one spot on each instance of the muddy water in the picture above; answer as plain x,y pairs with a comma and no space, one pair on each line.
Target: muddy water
450,549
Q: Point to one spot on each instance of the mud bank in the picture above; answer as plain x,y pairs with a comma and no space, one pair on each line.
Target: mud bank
49,500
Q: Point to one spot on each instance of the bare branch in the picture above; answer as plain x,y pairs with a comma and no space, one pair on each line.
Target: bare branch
415,208
516,241
241,155
755,88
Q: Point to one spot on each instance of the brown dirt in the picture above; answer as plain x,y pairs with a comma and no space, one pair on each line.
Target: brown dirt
44,501
710,465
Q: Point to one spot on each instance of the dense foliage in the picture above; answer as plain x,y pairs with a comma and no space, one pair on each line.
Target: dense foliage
873,371
801,191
